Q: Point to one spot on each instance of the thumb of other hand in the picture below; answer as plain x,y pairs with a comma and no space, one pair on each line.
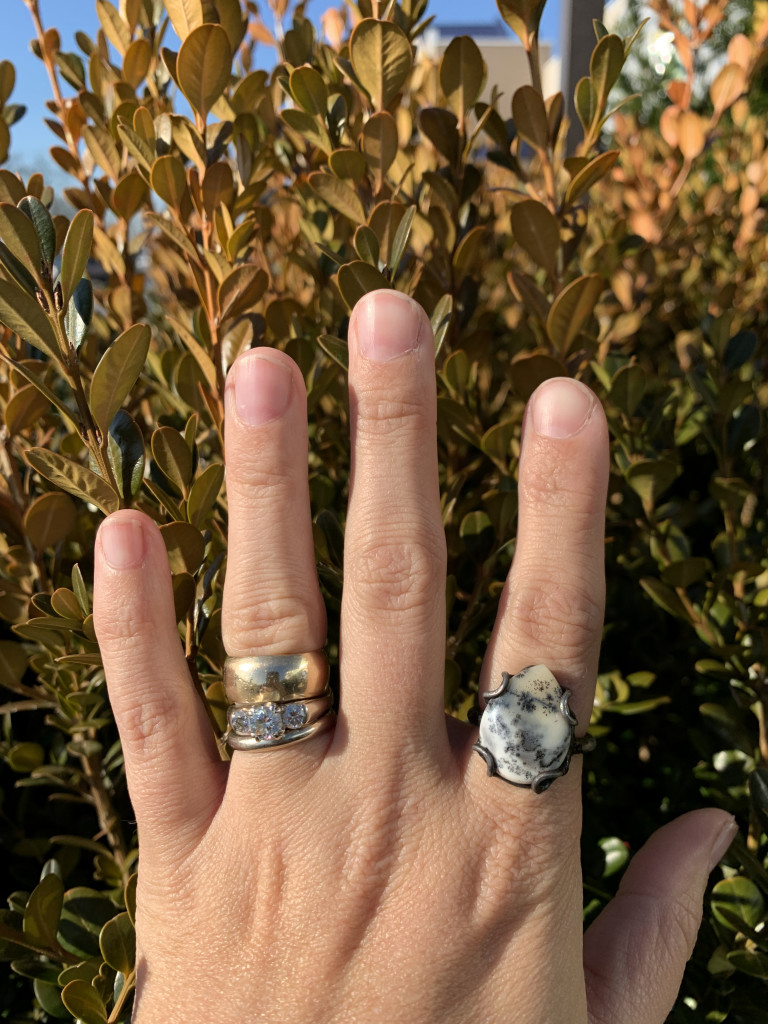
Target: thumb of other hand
635,952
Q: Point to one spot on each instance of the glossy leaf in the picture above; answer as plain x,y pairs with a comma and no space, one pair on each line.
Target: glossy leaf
84,1002
530,116
522,16
185,15
185,547
125,451
740,897
77,319
590,174
308,89
173,457
19,234
337,349
118,943
46,233
116,373
203,66
43,910
240,291
339,195
22,314
537,231
74,478
356,279
462,74
605,66
203,494
571,310
76,252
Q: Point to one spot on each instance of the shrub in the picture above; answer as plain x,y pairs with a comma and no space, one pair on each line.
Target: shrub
219,206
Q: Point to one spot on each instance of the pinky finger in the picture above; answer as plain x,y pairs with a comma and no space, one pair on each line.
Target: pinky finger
175,776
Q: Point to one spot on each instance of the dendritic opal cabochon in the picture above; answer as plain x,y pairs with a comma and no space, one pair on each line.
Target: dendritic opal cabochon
524,729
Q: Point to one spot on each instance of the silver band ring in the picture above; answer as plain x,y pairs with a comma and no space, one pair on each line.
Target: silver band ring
275,677
528,731
321,725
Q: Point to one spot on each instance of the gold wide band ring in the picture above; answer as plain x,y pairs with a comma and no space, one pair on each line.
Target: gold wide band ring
265,678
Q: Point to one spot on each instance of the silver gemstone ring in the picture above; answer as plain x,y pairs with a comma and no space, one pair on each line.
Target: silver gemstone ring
528,731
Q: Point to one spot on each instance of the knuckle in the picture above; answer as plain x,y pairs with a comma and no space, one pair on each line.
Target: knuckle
561,485
397,415
392,575
566,619
279,623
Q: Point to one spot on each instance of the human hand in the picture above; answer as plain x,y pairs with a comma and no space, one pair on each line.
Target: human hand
374,872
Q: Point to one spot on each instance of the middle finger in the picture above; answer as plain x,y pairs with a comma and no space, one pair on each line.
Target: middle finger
393,607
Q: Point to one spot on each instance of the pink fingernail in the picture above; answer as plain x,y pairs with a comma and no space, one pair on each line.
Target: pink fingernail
122,541
722,843
263,388
387,324
561,407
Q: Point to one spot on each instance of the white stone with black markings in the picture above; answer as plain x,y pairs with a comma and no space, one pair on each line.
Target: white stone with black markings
526,731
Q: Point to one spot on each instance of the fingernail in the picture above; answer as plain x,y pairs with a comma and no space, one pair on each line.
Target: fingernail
386,325
561,407
262,388
721,844
122,541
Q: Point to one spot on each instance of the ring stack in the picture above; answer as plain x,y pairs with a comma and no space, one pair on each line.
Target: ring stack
276,699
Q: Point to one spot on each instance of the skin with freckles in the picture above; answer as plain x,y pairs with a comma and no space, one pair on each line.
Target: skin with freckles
374,873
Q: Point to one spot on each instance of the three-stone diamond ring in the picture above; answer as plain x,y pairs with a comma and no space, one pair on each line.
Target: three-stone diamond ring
527,730
276,699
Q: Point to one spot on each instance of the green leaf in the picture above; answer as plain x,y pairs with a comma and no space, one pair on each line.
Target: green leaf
77,319
26,372
175,234
173,457
203,493
571,310
21,314
336,348
117,372
20,235
664,597
348,163
309,90
356,279
339,195
85,911
589,175
537,231
43,910
75,253
650,478
529,113
130,897
84,1002
204,66
380,143
605,67
749,961
25,757
758,793
628,388
441,321
125,451
739,896
70,476
400,241
585,100
46,233
462,74
118,943
102,148
381,57
616,855
128,195
185,546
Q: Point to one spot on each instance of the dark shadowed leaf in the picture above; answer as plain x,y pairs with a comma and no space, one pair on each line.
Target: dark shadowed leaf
125,450
43,910
356,279
173,457
571,310
649,478
49,519
185,546
379,141
537,231
522,16
203,493
442,129
628,388
336,348
46,233
19,234
529,113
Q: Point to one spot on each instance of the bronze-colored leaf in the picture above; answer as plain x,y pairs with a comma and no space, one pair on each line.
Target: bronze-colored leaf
442,129
528,371
168,180
691,134
336,348
585,100
116,373
24,409
241,290
185,15
381,57
530,116
70,476
115,29
536,229
185,546
129,194
571,310
462,74
348,163
136,62
102,148
43,910
218,187
385,221
339,195
523,17
50,519
76,252
380,144
204,66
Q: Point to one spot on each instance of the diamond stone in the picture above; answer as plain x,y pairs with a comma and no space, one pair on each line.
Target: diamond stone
295,715
239,721
265,722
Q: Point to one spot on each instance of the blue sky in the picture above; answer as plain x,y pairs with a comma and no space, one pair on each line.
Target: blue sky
31,138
